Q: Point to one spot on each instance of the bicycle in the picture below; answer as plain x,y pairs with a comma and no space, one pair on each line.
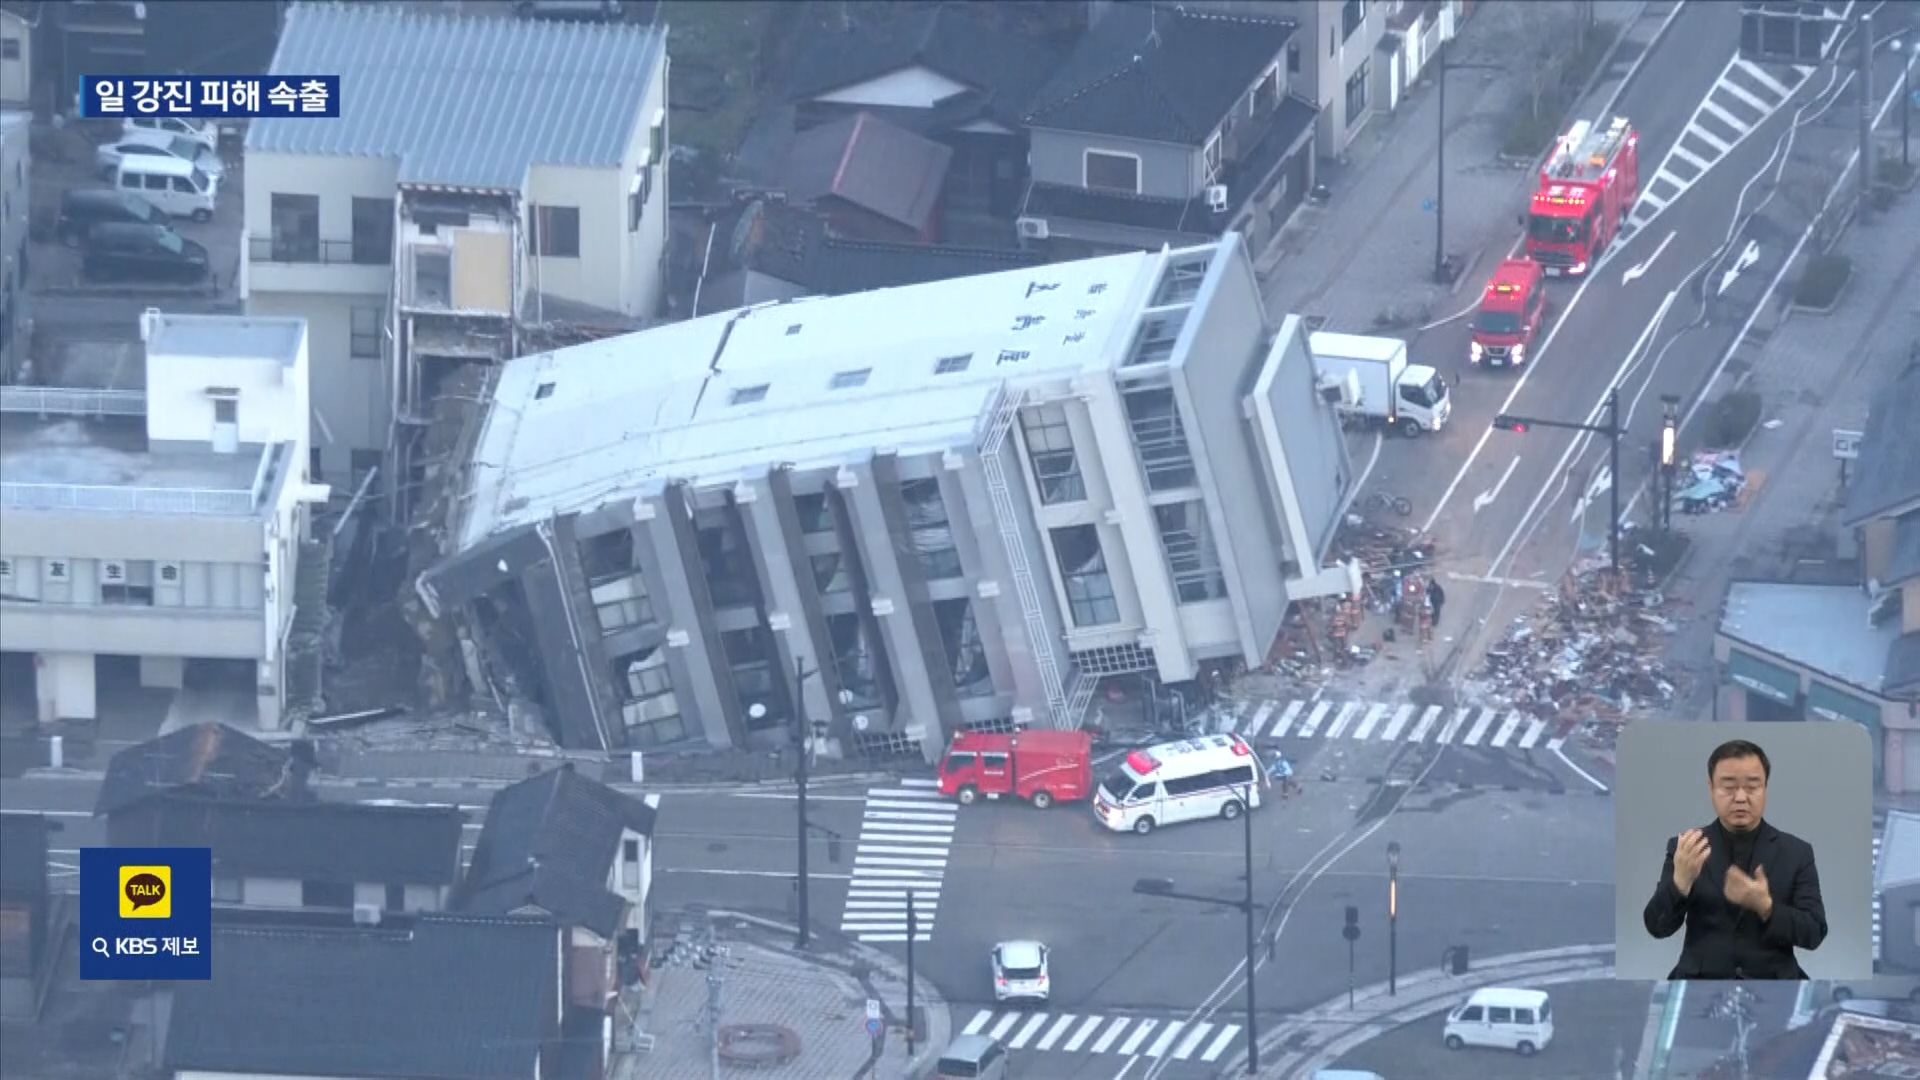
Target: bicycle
1380,501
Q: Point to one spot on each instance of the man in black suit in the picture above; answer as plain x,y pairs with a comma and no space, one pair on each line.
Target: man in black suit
1747,893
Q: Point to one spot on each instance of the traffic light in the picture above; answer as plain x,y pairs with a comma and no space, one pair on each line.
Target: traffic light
1510,423
1352,930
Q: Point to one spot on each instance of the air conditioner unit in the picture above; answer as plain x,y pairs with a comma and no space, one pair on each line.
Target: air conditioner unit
1032,228
366,914
1341,391
1217,198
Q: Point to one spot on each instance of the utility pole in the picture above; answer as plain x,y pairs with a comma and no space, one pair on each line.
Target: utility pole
713,1019
1440,174
1865,35
804,734
913,931
1253,1037
1614,431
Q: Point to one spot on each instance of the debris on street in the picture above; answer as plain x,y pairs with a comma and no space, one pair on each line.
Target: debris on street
1323,635
1714,480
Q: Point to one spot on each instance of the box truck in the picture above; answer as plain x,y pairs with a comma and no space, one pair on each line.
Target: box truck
1370,380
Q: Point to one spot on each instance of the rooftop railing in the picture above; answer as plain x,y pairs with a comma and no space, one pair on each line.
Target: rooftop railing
104,499
44,401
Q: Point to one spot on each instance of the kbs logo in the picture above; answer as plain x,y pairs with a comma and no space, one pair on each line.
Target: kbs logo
146,892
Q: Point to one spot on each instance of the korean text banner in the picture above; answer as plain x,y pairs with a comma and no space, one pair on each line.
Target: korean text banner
146,913
234,97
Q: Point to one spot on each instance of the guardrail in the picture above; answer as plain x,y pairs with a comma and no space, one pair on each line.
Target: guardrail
96,498
269,249
46,401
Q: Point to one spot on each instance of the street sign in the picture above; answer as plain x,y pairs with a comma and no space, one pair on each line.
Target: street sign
873,1010
1351,933
873,1026
1846,444
1427,205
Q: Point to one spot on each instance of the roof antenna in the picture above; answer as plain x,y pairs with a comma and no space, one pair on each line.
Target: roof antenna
1153,27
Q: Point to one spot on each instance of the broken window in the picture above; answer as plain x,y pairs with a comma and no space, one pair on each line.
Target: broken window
433,277
750,663
830,573
1160,438
1056,472
815,515
854,660
1181,283
648,707
929,536
966,655
1157,336
1083,572
725,561
1187,538
622,604
607,556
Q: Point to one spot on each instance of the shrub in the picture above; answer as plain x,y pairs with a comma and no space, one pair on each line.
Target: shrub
1733,418
1820,284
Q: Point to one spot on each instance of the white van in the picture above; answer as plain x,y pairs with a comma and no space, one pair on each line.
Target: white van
200,131
180,188
1519,1020
1212,776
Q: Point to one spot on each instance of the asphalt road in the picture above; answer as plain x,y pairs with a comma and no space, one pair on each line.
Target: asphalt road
1593,1022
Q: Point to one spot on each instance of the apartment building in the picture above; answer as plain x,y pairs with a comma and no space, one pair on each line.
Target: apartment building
16,61
15,164
454,207
163,524
963,503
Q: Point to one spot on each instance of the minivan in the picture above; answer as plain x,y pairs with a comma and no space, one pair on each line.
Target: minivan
83,208
1505,1019
142,253
180,188
972,1057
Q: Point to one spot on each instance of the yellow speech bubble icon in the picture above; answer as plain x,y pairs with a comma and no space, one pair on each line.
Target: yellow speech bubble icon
146,892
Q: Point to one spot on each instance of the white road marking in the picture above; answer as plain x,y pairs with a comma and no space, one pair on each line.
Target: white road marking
1220,1044
1738,92
1340,722
1370,721
1739,126
1759,74
1194,1035
1140,1033
1287,718
1453,725
1053,1033
1087,1029
1535,728
1690,158
1480,725
1399,722
1259,720
1313,719
1506,731
1020,1039
1113,1032
1426,724
1165,1042
1005,1025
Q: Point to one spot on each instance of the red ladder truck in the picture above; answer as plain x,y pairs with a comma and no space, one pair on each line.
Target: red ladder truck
1587,189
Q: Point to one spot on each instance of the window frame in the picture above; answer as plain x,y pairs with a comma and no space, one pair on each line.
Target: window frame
555,230
1353,16
1087,606
374,254
1040,425
358,347
1086,170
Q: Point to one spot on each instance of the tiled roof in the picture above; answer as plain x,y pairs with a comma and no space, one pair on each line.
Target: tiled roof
23,853
308,841
1002,69
1904,563
876,166
210,758
465,101
550,843
1158,72
1887,476
428,997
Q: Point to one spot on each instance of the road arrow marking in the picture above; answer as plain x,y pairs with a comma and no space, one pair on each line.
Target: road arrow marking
1485,498
1747,258
1598,488
1637,271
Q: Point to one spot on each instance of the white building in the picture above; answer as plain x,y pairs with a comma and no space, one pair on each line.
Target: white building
485,174
163,523
963,502
15,166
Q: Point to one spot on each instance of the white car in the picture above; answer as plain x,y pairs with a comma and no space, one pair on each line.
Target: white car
160,144
199,131
1879,988
1020,971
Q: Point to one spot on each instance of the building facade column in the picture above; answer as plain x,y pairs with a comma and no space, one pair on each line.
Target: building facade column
64,687
878,555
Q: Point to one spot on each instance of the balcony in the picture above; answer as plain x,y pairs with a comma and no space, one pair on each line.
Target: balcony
312,265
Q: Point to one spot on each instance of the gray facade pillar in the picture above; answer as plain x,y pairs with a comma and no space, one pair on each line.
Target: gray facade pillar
919,600
1003,629
689,665
806,633
567,639
877,554
693,618
767,542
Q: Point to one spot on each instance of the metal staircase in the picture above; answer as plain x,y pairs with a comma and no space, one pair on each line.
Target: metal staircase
1039,638
1084,684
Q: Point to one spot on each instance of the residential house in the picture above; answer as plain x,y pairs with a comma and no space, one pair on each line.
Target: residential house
964,502
16,61
1896,886
1790,650
373,859
937,71
571,849
196,37
1168,126
26,912
870,179
767,250
16,127
418,997
454,208
209,760
168,523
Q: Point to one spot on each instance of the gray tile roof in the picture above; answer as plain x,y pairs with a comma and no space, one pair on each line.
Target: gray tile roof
462,101
209,758
1887,476
341,842
879,167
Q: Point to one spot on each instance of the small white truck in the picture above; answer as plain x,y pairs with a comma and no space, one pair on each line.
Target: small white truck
1370,381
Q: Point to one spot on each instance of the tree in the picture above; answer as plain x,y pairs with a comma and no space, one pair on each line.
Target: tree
1545,36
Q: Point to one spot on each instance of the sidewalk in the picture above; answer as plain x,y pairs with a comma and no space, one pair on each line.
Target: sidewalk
1813,373
807,1011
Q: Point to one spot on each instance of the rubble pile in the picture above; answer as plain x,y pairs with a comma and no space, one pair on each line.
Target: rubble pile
1592,655
1714,480
1321,635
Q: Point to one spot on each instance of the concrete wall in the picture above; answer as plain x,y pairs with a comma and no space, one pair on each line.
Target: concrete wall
350,401
1167,170
16,71
15,165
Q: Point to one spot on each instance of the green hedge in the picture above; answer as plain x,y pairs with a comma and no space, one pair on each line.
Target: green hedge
1820,285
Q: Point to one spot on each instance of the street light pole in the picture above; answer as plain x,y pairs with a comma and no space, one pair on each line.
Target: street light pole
1253,1037
1669,437
1613,485
804,735
913,931
1393,918
1440,174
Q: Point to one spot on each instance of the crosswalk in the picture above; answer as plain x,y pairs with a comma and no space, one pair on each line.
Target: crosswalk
1128,1036
1741,99
1363,721
905,835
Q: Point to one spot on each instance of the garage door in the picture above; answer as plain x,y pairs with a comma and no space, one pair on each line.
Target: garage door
1767,680
1829,703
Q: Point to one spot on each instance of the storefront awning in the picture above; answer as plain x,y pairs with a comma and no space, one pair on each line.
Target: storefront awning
1765,679
1825,701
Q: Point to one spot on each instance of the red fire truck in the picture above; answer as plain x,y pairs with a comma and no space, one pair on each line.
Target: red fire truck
1511,313
1041,766
1587,188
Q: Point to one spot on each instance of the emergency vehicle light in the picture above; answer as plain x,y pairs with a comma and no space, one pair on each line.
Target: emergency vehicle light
1503,288
1141,763
1240,746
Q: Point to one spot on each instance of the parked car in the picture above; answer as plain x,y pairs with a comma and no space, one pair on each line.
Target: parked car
1879,988
1020,971
200,131
157,144
83,208
117,252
